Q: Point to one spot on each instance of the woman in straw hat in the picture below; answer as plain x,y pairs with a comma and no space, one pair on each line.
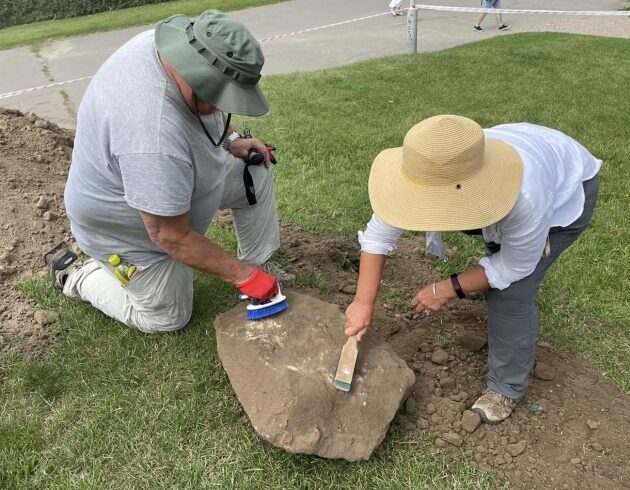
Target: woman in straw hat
528,189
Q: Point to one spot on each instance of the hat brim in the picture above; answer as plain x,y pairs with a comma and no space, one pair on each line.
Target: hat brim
479,201
209,84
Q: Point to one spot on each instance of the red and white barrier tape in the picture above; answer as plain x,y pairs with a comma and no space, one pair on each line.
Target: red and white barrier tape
319,28
583,13
589,13
41,87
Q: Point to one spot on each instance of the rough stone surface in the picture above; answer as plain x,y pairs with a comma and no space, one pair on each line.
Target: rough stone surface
282,369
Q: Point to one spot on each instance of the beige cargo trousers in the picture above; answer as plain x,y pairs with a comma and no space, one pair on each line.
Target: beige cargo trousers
159,297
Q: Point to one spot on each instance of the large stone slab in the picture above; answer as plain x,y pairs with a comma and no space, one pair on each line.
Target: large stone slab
282,369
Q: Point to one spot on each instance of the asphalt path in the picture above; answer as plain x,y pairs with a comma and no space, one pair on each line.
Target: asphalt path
298,35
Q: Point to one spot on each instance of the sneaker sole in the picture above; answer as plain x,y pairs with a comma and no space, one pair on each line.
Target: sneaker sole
484,418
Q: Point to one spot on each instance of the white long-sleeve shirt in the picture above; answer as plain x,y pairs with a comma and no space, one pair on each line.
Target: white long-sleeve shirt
554,167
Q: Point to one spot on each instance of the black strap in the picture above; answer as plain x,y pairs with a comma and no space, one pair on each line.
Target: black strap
225,130
248,180
250,192
457,287
226,127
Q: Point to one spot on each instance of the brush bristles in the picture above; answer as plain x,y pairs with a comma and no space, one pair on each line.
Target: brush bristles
267,311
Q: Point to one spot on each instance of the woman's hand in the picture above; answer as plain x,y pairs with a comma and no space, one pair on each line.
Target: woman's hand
358,318
431,298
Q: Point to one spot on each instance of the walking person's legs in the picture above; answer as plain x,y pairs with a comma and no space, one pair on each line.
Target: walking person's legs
477,26
486,4
499,18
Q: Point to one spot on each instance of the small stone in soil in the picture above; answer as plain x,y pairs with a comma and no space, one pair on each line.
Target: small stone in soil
593,424
45,317
447,383
50,216
471,341
515,449
470,421
453,438
597,447
439,356
42,203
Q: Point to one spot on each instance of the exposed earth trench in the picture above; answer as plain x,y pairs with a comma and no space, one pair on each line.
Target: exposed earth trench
571,431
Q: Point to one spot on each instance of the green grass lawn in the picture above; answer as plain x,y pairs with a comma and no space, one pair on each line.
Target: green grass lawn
36,33
111,408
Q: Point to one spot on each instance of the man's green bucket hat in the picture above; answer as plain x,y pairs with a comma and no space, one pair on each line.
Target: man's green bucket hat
218,57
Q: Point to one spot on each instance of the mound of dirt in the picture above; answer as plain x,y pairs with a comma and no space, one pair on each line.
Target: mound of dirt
34,161
571,431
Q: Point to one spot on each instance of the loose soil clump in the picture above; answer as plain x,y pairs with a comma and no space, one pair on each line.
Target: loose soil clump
571,431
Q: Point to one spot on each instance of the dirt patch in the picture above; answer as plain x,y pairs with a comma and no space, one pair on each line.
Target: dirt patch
571,431
34,161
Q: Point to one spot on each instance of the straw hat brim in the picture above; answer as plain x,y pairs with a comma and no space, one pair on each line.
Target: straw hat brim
481,200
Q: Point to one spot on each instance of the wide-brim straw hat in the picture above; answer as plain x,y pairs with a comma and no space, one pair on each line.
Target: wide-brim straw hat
447,176
218,57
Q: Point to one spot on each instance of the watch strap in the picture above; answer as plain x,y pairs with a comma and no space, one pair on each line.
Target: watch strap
457,287
230,139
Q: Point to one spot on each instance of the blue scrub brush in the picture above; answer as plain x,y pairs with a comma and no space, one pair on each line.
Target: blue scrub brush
257,311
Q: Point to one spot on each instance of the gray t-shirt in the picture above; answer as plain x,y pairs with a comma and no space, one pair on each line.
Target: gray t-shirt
138,147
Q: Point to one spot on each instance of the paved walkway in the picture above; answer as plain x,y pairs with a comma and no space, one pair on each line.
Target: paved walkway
377,36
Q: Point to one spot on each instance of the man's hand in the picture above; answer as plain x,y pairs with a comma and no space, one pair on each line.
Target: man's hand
358,318
242,147
259,285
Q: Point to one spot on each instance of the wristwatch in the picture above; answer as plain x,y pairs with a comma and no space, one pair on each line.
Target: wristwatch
230,139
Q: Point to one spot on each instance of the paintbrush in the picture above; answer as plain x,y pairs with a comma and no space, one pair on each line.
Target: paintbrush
347,360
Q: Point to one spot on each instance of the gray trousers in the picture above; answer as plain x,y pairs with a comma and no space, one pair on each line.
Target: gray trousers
512,313
159,297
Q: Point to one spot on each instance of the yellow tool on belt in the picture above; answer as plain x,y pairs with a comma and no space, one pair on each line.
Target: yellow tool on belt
122,270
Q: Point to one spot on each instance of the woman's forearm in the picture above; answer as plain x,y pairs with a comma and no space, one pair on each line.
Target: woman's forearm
370,275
